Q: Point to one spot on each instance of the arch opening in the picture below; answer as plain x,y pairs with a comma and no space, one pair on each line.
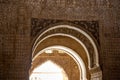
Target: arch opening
48,71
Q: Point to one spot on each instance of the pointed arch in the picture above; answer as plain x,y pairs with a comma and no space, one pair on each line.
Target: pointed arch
71,53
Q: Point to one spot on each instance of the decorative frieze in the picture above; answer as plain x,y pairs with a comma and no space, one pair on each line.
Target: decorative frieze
40,25
70,3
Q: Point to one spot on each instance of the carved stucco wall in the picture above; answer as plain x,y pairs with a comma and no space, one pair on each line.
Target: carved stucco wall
15,24
14,37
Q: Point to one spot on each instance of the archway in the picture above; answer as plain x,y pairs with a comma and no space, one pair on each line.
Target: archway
82,49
